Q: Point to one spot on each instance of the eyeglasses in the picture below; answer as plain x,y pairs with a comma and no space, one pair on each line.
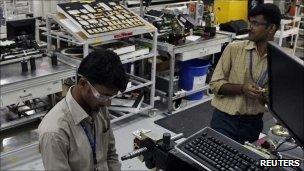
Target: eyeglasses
98,96
256,23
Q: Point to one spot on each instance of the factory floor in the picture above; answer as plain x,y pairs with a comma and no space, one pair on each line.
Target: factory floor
21,144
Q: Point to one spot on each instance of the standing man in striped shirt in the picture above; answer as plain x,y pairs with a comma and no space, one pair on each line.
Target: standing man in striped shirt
240,78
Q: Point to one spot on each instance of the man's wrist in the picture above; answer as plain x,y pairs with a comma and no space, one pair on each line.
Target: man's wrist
242,88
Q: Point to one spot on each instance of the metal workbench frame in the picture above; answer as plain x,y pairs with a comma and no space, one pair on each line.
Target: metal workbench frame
26,81
173,50
139,82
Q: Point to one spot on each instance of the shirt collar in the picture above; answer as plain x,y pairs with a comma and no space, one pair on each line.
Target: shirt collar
252,45
77,112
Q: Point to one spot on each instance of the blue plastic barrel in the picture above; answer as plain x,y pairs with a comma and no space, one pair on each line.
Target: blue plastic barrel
193,71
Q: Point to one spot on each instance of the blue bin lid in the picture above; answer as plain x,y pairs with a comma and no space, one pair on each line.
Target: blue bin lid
195,63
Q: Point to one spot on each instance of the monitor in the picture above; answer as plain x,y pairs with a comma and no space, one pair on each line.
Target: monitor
286,90
16,28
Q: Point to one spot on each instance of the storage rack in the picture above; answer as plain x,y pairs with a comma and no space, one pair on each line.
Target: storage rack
203,47
75,35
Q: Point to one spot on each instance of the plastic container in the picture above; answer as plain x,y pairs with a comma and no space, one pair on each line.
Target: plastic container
193,75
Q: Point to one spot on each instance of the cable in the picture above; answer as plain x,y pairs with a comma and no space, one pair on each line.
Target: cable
285,140
287,149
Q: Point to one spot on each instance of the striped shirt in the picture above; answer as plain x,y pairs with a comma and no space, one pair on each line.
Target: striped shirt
233,67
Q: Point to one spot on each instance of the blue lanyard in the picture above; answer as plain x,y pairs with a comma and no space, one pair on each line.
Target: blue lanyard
92,143
263,77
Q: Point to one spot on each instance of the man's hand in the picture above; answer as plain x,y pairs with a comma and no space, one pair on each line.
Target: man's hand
252,91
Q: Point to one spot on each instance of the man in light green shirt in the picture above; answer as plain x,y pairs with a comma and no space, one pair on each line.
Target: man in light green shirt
240,78
76,134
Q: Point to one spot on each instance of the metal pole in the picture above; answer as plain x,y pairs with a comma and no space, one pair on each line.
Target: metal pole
141,6
85,49
153,70
49,38
171,81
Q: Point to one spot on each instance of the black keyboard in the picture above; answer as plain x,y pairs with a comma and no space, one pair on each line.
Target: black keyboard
214,151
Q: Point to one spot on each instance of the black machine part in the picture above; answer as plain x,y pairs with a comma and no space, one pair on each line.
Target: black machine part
24,66
135,153
33,63
162,154
54,59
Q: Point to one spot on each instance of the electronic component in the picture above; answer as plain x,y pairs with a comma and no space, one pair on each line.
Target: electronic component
21,29
100,17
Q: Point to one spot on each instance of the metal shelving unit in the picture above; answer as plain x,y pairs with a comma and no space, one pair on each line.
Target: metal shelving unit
17,87
74,35
199,48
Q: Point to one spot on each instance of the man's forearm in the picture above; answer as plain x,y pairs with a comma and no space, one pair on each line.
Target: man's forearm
231,89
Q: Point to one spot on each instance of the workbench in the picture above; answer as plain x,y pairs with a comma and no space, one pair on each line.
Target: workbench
18,86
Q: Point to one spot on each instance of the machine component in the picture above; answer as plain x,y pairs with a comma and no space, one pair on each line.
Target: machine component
21,42
54,59
166,140
24,67
33,63
158,152
170,29
20,30
75,52
279,131
29,107
162,83
135,153
12,55
213,150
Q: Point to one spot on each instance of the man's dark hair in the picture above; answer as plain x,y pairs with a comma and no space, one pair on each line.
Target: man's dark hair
271,13
105,68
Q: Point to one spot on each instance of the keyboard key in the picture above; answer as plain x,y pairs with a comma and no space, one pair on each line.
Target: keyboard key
243,167
252,167
204,134
231,169
245,163
237,168
265,168
207,159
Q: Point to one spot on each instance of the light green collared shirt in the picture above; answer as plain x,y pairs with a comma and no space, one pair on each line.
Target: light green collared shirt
233,68
64,145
